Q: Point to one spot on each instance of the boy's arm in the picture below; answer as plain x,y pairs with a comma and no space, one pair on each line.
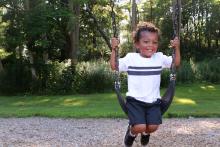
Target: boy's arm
114,44
176,45
112,60
177,57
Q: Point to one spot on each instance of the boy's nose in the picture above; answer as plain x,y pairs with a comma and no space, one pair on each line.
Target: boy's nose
151,43
149,46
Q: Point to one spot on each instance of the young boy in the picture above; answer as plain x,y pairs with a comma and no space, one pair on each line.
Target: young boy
144,70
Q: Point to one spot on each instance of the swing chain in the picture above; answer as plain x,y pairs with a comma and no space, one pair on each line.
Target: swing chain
113,15
176,18
115,34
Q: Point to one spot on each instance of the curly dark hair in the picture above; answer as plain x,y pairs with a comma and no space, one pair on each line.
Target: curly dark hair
144,26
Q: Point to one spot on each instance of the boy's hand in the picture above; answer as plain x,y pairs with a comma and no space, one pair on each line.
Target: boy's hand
114,43
175,43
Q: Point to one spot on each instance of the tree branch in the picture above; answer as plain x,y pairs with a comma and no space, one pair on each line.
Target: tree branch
106,38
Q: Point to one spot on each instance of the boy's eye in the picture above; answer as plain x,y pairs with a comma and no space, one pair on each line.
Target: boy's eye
154,42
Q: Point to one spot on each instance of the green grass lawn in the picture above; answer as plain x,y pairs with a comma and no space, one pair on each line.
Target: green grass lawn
197,100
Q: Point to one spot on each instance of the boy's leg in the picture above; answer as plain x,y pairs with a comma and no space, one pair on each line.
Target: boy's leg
145,139
129,137
138,128
151,128
137,122
132,132
154,119
145,136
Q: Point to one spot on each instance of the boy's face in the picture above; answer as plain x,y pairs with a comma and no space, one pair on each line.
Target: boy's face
147,44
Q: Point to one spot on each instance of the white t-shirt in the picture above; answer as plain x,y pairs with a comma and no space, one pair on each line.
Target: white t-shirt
144,75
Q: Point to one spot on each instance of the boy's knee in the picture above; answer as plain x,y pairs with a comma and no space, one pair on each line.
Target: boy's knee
152,128
138,128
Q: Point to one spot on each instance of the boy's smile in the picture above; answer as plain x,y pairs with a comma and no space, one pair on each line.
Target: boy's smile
147,44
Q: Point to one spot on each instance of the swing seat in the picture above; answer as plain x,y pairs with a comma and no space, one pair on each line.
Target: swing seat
121,100
167,98
165,102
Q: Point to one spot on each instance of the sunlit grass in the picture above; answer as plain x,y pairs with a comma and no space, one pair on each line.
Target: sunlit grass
208,87
74,102
196,100
184,101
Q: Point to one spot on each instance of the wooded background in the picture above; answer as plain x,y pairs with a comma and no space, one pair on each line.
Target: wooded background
46,45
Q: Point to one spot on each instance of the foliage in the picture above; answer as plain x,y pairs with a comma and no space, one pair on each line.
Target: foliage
4,54
11,83
209,71
45,26
92,77
185,73
165,78
33,33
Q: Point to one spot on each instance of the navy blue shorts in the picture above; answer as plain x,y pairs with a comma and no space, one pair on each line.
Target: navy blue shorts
143,113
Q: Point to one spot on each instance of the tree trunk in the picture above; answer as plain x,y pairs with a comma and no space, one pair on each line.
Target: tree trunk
33,71
133,18
134,15
74,33
31,57
45,57
195,31
151,11
207,21
1,67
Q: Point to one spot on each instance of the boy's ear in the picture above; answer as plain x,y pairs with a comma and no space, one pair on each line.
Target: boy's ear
136,45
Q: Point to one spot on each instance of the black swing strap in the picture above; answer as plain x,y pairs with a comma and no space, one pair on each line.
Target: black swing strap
167,98
121,100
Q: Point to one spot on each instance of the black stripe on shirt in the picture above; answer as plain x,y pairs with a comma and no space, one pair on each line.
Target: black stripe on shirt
144,73
135,67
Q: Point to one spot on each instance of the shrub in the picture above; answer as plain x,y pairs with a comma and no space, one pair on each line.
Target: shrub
16,78
93,76
90,77
59,78
165,78
185,73
208,71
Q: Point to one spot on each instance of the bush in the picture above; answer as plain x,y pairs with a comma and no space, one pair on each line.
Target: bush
165,78
208,71
57,78
16,78
61,79
90,77
185,73
93,76
47,78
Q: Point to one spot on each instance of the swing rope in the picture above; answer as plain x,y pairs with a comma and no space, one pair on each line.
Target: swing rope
116,73
167,98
